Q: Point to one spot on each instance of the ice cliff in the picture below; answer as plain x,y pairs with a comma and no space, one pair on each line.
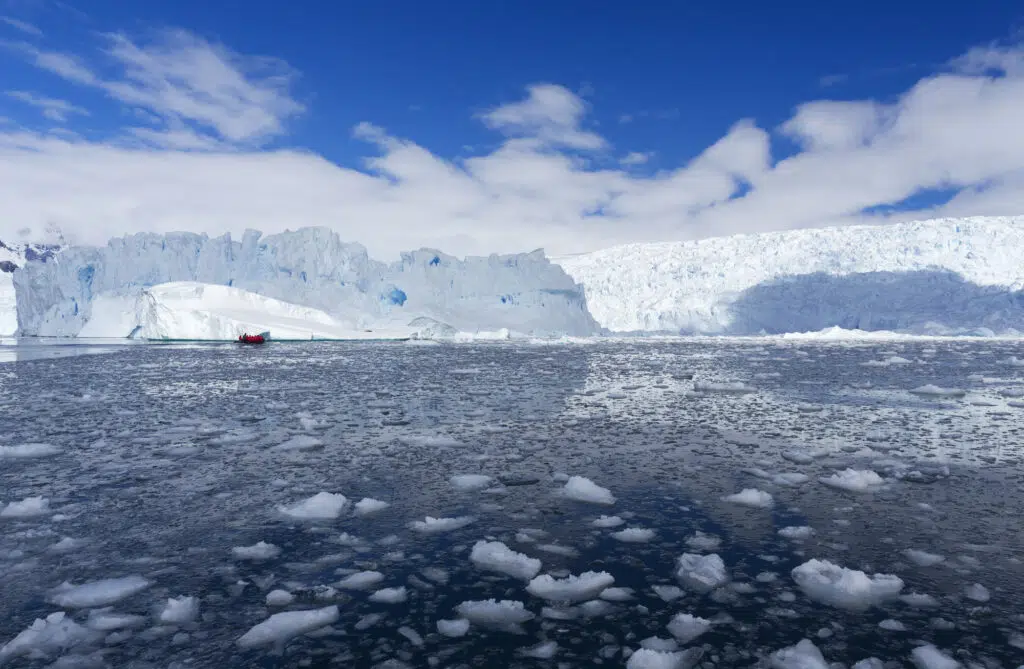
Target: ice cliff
944,276
102,287
13,256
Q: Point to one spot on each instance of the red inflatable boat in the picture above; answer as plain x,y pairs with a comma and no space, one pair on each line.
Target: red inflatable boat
251,339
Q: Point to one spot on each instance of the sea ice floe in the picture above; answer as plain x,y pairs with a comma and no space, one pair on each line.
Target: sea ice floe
571,588
931,390
634,535
302,442
431,525
279,598
179,611
453,628
751,497
390,595
47,637
259,551
606,522
796,532
703,542
28,451
668,593
854,480
892,625
584,490
978,593
67,545
617,594
368,505
412,635
105,620
30,507
280,627
321,506
504,615
362,580
496,556
545,650
685,627
922,558
701,573
467,482
919,600
804,655
647,658
930,657
828,583
729,387
98,593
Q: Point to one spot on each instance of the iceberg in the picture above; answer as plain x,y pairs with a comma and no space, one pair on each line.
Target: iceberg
12,257
301,283
942,277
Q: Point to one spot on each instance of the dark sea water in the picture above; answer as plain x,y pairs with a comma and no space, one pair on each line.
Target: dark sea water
163,459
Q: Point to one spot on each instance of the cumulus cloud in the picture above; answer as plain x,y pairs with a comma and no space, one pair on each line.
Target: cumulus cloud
193,162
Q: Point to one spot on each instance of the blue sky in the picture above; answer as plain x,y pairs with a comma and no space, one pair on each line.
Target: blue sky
647,89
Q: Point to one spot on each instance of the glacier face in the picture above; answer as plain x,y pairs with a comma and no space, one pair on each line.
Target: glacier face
928,277
13,256
310,267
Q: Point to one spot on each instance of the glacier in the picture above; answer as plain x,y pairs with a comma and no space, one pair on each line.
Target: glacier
12,257
312,278
941,276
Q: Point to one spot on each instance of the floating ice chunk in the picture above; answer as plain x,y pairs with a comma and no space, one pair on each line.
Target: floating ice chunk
703,542
545,650
259,551
657,643
796,532
634,535
412,635
931,390
646,658
467,482
279,598
302,442
584,490
435,574
431,525
686,627
804,655
701,573
790,478
53,635
321,506
179,611
280,627
571,588
919,600
390,595
978,593
363,580
453,628
923,559
869,663
496,556
854,480
843,588
892,625
505,615
367,505
30,507
98,593
606,522
751,497
103,620
67,545
735,387
668,593
28,451
930,657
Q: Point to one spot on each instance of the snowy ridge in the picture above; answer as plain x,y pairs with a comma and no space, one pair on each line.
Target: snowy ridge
93,289
944,276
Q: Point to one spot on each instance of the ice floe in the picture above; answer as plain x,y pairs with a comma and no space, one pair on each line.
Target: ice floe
47,637
751,497
584,490
503,615
280,627
930,657
701,573
361,580
261,550
321,506
33,450
497,557
853,480
467,482
30,507
98,593
453,628
634,535
685,627
571,588
828,583
368,505
179,611
431,525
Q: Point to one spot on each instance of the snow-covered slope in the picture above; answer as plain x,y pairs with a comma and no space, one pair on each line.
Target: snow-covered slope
13,256
310,267
197,311
939,276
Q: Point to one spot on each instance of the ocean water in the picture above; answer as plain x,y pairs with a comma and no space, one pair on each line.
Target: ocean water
143,470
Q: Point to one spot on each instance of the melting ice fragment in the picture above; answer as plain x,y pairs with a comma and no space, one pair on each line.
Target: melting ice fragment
50,636
634,535
28,451
930,657
701,573
98,593
179,611
751,497
453,628
367,505
685,627
496,556
584,490
571,588
30,507
804,655
321,506
363,580
280,627
854,480
431,525
843,588
504,615
467,482
931,390
257,552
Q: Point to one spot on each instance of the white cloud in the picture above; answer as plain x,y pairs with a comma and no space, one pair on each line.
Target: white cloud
23,26
52,108
636,158
543,186
550,113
